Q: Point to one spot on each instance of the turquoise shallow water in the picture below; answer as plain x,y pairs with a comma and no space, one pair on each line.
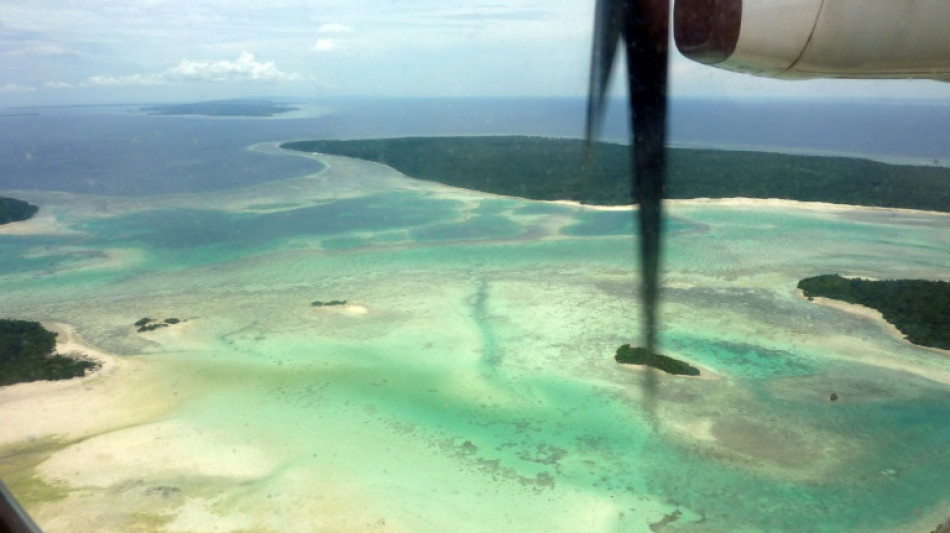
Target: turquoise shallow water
470,383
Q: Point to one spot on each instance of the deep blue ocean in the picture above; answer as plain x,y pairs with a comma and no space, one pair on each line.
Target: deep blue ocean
123,152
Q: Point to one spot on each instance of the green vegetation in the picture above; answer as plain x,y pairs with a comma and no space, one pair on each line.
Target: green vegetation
27,353
150,324
331,303
551,169
222,108
920,309
638,356
13,210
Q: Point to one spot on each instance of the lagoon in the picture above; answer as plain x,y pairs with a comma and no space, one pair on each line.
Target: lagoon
469,381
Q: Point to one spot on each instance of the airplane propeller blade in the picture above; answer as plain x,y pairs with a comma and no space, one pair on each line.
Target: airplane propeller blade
643,25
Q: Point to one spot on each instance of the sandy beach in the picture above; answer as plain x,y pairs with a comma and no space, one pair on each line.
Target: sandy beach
92,432
573,203
68,410
816,207
886,362
40,224
819,207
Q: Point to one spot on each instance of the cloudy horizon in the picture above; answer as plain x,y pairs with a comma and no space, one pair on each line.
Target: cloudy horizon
55,52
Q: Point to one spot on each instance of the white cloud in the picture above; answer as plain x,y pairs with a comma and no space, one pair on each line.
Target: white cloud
334,27
58,85
326,45
329,44
14,88
406,47
41,48
113,81
245,68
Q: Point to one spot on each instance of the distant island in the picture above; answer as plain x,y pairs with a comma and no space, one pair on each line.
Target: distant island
638,356
920,309
27,353
222,108
541,168
13,210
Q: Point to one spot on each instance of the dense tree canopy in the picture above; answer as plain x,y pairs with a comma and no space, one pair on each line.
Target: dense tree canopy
920,309
27,354
638,356
13,210
552,169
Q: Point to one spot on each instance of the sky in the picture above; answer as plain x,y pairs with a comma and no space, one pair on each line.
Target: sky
60,52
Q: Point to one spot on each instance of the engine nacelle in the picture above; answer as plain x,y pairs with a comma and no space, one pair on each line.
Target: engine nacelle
818,38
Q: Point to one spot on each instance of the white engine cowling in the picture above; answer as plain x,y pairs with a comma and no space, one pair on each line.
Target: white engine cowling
818,38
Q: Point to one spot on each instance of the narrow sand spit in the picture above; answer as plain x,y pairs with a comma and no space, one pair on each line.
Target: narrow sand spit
876,316
821,207
572,203
41,224
71,409
107,439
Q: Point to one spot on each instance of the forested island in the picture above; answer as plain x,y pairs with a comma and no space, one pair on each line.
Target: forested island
331,303
222,108
543,168
28,353
150,324
13,210
638,356
920,309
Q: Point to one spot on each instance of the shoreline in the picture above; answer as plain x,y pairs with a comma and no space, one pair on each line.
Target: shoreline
47,409
73,451
870,313
46,224
862,311
824,207
740,201
58,215
726,201
125,391
890,329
